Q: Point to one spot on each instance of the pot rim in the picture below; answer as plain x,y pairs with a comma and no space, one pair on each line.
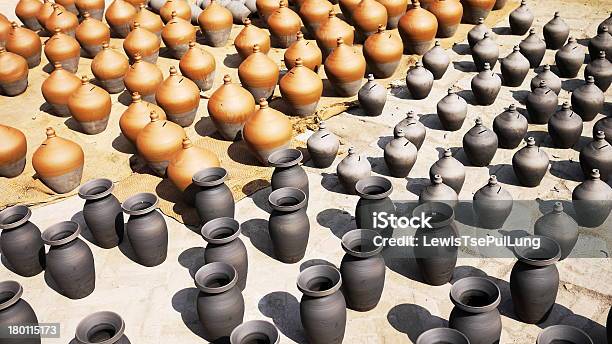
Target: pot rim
360,235
203,177
109,318
250,326
287,192
312,272
436,207
546,244
221,222
215,269
374,181
60,227
14,287
86,190
279,158
561,327
438,332
482,284
142,197
5,214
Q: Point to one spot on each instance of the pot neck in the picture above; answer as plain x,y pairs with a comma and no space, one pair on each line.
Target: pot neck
14,216
221,230
319,281
10,287
210,177
61,233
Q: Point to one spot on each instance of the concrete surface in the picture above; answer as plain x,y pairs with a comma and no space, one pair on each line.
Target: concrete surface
157,303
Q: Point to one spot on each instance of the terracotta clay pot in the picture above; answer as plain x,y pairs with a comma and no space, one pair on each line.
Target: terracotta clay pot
63,49
367,16
119,16
216,24
565,127
58,163
480,144
283,25
213,198
262,330
492,205
102,212
142,41
24,42
347,7
477,32
137,116
448,13
62,19
146,229
158,141
5,28
560,227
530,164
229,107
601,42
599,68
258,73
301,89
351,169
94,7
69,5
592,201
372,97
12,152
475,9
450,169
412,128
383,52
179,97
533,48
248,37
182,9
314,13
177,34
307,51
199,66
43,14
267,131
345,68
541,104
57,89
419,81
510,127
266,7
13,73
143,77
110,68
148,20
451,110
323,147
597,155
486,86
328,33
90,105
514,68
485,51
91,34
400,155
26,11
224,245
569,58
395,10
552,80
106,325
555,32
186,162
521,19
418,29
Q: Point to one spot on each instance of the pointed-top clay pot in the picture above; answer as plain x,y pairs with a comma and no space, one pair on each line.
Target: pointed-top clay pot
480,144
229,107
541,103
182,9
533,48
267,131
323,147
58,163
58,87
565,127
510,127
283,25
345,68
26,11
530,164
258,73
473,10
605,125
606,22
329,31
24,42
418,29
372,97
347,7
400,155
569,58
437,191
436,60
492,205
90,105
555,32
450,169
216,24
65,20
395,10
560,227
148,20
119,16
44,13
13,73
521,19
307,51
484,51
142,41
177,34
597,155
592,201
351,169
514,68
68,5
599,68
187,161
383,51
301,89
179,97
13,148
5,28
198,65
588,100
412,128
314,13
601,42
419,81
266,7
477,32
137,116
366,17
143,77
91,34
248,37
64,49
486,86
94,7
158,141
452,110
552,80
448,13
110,67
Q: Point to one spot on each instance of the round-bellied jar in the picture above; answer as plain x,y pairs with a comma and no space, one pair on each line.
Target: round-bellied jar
229,107
480,144
372,97
530,164
288,224
450,169
400,155
213,198
248,37
412,128
510,127
552,80
565,127
418,28
119,16
199,66
142,41
309,53
514,68
555,32
187,162
351,169
179,97
258,73
58,163
301,88
57,89
110,67
224,245
102,212
533,48
486,86
436,60
541,104
492,205
476,9
22,247
283,24
177,34
345,68
14,147
323,147
146,229
266,131
90,106
560,227
448,13
451,110
383,51
419,81
569,58
521,19
484,51
24,42
597,154
137,116
91,34
215,24
592,201
158,141
588,100
600,69
15,311
328,33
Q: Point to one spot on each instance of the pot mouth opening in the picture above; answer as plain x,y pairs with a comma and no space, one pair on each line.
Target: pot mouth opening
475,298
442,335
255,332
100,328
319,280
14,216
5,296
440,213
140,204
563,334
360,243
285,158
215,278
373,187
61,233
96,188
210,176
10,293
287,199
475,294
101,333
547,253
220,230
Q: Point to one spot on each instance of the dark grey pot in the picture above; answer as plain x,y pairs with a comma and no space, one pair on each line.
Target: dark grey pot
436,61
605,125
601,70
351,169
323,147
101,327
530,164
565,127
563,334
213,198
102,212
372,97
412,128
492,205
486,86
597,154
533,48
555,32
419,81
520,19
288,224
541,104
450,169
15,311
588,100
442,335
569,58
510,127
20,241
514,68
601,42
451,110
400,155
287,171
480,144
255,331
485,51
560,227
477,32
592,201
146,229
552,80
373,194
437,191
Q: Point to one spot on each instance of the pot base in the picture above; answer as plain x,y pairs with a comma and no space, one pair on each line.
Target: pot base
178,50
92,50
120,31
471,15
229,131
347,89
304,110
150,58
14,88
31,23
260,92
61,110
184,119
283,41
94,127
13,169
418,47
447,31
113,86
383,70
205,84
96,14
217,38
159,167
393,21
71,65
64,183
263,155
149,98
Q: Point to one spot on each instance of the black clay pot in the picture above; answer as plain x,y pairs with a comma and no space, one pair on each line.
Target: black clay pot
486,86
592,201
569,58
541,104
552,80
520,19
255,331
400,155
322,307
605,125
601,42
475,313
224,245
323,147
15,311
477,32
450,169
442,335
530,164
437,191
412,128
101,327
606,22
492,205
146,229
485,51
565,127
219,304
102,212
534,279
563,334
419,81
597,155
533,48
588,100
601,70
373,198
451,110
287,171
288,224
436,61
362,269
213,198
351,169
70,263
514,68
510,127
555,32
436,263
372,97
560,227
22,248
480,144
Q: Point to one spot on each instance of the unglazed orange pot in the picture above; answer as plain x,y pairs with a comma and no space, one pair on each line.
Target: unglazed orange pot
142,41
5,28
216,24
258,73
13,73
26,43
474,9
366,18
448,13
95,8
177,34
137,116
345,68
266,7
58,163
314,13
199,66
63,19
395,10
68,5
44,13
120,15
110,67
181,8
158,141
329,31
301,89
283,25
267,131
383,52
347,7
64,49
149,20
91,34
248,37
187,161
179,97
229,108
308,51
90,105
143,77
26,11
57,88
13,148
418,29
